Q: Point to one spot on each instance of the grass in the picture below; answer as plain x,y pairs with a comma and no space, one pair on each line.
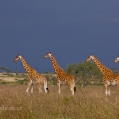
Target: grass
88,103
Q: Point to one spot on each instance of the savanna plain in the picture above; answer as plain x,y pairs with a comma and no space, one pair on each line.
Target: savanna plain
88,102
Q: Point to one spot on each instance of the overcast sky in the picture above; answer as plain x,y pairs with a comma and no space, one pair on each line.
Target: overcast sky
70,29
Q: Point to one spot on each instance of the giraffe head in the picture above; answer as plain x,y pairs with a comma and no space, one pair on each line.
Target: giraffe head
116,60
47,55
18,57
90,57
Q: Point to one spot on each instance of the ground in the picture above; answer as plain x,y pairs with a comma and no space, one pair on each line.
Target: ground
87,103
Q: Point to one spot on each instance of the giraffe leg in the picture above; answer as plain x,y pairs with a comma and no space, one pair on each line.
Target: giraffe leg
106,92
32,88
117,84
72,90
59,90
45,86
40,89
29,84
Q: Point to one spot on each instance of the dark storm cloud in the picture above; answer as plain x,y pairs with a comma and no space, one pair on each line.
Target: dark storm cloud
71,30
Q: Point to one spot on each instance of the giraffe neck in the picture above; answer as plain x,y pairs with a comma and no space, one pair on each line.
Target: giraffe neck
55,65
101,67
26,66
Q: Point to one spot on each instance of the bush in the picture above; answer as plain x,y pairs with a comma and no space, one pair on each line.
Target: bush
22,81
83,72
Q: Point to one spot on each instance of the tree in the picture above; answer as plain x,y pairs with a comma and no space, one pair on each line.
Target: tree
6,70
83,72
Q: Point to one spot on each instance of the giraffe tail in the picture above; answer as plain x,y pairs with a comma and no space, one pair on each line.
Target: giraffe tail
75,89
45,86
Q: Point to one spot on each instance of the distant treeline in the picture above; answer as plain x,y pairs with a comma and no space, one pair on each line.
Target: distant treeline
115,70
3,69
84,73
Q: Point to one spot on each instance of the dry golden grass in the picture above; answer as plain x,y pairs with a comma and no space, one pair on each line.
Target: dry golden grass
88,103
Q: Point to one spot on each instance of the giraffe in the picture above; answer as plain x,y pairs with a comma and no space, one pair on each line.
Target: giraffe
62,77
109,78
33,76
